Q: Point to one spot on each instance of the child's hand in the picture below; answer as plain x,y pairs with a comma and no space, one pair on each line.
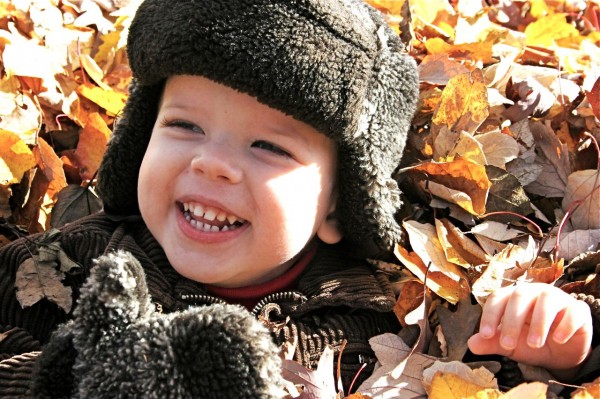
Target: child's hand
537,324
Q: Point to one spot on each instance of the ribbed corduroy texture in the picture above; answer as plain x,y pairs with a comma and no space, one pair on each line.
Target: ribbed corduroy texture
360,310
334,64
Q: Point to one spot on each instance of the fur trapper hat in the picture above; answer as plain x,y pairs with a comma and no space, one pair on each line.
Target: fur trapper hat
334,64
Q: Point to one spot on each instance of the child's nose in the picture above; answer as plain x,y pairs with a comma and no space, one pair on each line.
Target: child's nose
218,162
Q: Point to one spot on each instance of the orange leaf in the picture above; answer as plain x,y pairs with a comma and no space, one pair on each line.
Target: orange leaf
409,299
91,146
464,104
51,166
588,391
593,96
479,51
459,175
15,158
438,282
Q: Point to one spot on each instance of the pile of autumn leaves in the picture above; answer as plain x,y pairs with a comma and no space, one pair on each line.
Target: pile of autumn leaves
501,170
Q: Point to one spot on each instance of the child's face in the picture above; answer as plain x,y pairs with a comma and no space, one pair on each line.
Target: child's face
233,190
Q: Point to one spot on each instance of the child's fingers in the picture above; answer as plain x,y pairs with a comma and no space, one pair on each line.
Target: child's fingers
493,311
548,308
518,309
575,316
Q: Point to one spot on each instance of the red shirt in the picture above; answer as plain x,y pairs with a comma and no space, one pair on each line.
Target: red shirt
250,295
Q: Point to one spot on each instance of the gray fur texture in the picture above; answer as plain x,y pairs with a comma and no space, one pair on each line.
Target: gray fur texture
334,64
118,346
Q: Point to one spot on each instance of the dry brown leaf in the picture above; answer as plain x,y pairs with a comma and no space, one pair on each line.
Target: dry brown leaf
438,69
593,96
317,383
464,104
531,99
496,231
554,158
499,148
582,194
391,352
458,326
36,280
574,243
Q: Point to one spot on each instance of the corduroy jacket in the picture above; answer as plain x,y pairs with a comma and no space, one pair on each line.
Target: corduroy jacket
336,299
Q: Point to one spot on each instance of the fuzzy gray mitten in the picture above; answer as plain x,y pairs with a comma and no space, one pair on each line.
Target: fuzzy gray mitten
118,346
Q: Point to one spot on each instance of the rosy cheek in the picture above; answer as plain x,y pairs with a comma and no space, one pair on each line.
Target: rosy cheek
297,197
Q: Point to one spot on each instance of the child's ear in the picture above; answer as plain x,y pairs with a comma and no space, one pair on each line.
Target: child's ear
329,232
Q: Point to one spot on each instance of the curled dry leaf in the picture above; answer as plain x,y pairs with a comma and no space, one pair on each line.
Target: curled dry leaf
459,248
460,181
36,280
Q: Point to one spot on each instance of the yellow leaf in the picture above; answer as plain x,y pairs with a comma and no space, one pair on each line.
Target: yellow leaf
464,104
94,71
451,386
112,101
545,31
15,158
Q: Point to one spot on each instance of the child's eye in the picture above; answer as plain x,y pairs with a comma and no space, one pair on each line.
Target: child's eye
265,145
184,125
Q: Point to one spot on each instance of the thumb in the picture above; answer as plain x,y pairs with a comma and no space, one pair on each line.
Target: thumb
484,346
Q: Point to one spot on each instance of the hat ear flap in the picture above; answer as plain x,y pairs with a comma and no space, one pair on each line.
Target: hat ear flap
118,173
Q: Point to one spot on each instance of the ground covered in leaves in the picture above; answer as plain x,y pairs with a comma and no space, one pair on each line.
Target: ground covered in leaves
501,172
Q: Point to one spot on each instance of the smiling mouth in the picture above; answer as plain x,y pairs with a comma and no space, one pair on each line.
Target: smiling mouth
209,219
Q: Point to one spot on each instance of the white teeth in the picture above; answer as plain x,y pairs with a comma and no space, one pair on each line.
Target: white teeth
198,210
206,227
225,228
214,229
210,214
